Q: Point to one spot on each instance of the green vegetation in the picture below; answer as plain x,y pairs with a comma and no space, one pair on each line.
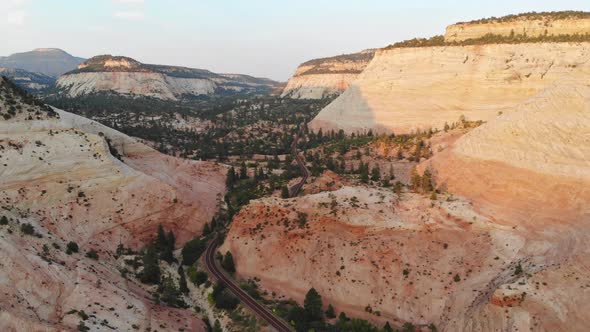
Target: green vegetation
72,247
228,263
192,250
492,39
92,254
151,267
560,15
27,229
3,220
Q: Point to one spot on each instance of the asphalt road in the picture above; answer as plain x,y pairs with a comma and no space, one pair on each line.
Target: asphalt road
246,299
294,191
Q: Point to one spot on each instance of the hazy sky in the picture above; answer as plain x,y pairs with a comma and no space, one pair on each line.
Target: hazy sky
258,37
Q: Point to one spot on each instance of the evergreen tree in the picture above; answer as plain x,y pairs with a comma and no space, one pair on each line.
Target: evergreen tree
217,326
228,263
284,192
376,174
313,305
387,328
151,268
243,171
206,229
330,312
161,240
364,172
230,179
182,286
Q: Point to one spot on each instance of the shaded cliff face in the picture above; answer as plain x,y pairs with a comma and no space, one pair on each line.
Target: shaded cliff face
529,25
406,89
506,251
320,78
49,61
126,76
58,174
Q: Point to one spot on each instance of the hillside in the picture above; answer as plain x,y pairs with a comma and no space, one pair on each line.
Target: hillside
64,178
49,61
128,77
32,82
410,88
502,247
320,78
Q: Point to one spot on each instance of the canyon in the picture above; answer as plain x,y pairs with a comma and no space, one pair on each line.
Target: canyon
73,180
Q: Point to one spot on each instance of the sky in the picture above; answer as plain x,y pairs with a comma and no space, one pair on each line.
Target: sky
266,38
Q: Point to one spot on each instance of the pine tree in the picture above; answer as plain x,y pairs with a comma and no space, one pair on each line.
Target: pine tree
243,171
375,174
182,286
284,192
231,178
151,268
161,241
387,328
330,312
206,229
228,263
313,305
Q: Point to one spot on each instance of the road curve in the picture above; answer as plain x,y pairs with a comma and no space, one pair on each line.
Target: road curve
294,191
246,299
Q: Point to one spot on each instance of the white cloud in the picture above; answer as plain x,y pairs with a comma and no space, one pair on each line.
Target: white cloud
129,15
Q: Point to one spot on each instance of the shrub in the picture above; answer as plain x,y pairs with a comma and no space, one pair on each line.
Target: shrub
27,229
71,247
3,220
92,254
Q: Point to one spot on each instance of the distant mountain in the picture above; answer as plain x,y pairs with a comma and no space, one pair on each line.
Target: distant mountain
126,76
49,61
32,82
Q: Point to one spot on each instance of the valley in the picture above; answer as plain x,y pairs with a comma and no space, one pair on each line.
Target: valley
435,184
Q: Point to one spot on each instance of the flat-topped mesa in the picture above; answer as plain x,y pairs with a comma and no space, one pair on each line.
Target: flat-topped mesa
125,76
320,78
528,24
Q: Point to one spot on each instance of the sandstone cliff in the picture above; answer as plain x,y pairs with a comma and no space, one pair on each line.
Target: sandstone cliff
320,78
60,174
404,89
126,76
532,25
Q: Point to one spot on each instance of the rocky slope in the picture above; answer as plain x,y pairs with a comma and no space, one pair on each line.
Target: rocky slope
32,82
126,76
532,25
325,77
505,251
58,174
49,61
404,89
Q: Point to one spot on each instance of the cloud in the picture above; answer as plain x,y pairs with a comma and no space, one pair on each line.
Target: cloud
129,15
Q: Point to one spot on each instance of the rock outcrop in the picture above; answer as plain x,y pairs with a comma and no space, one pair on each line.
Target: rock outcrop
532,25
320,78
126,76
32,82
72,179
404,89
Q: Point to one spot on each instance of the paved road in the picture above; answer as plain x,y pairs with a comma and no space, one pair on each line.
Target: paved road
294,191
246,299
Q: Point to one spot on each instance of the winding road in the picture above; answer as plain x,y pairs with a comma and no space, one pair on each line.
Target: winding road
246,299
294,191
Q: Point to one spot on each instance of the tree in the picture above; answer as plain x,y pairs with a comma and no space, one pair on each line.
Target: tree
192,250
206,229
71,247
228,263
27,228
284,192
231,177
243,171
151,268
387,328
167,253
330,312
427,185
217,326
375,174
161,241
313,305
182,286
3,220
92,254
364,172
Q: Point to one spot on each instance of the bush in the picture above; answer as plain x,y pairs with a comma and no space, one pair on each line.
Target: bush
27,229
71,247
3,220
92,254
192,250
228,263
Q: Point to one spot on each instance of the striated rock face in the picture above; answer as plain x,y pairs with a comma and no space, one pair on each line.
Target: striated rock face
419,88
532,27
320,78
33,82
58,173
126,76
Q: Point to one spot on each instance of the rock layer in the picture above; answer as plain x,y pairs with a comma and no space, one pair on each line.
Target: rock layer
320,78
419,88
